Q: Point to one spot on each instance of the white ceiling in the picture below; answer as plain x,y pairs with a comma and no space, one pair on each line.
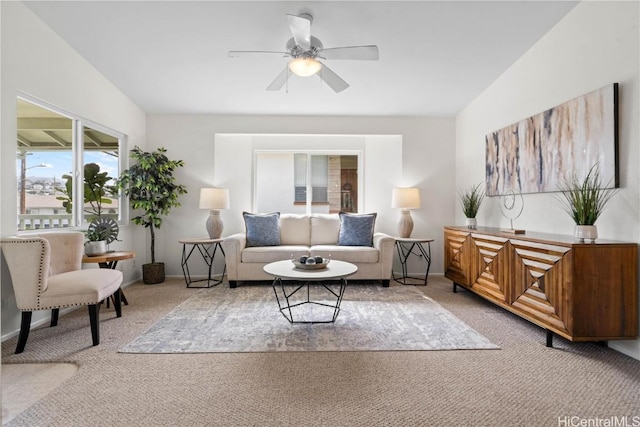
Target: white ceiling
171,56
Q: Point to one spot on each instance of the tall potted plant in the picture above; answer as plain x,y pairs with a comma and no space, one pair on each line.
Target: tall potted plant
150,186
584,200
471,198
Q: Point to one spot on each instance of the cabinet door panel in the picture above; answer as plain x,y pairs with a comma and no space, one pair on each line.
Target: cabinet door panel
539,275
605,299
489,266
456,256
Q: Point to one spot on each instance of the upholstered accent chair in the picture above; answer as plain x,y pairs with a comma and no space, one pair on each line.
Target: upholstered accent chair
46,273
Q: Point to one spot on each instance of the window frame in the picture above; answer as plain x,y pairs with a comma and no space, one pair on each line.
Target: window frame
78,124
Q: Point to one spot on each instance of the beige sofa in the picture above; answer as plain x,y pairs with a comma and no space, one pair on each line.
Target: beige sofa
308,235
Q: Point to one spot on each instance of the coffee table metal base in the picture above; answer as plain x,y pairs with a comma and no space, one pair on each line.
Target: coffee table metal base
286,302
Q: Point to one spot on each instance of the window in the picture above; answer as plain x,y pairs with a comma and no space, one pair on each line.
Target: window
286,183
53,148
319,181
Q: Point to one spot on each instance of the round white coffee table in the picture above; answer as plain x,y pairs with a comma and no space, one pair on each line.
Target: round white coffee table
289,281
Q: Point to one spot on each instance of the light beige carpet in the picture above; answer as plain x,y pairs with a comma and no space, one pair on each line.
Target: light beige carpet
523,384
23,384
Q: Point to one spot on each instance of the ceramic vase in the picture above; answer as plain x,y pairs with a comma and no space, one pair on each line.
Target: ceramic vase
471,223
586,233
95,248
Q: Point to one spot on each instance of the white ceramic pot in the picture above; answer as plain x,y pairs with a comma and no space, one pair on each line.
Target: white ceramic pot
471,223
95,248
586,233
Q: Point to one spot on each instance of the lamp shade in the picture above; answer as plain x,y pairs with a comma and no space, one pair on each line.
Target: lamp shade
405,198
214,198
304,67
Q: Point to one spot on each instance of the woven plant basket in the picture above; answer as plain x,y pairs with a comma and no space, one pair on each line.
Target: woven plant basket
153,273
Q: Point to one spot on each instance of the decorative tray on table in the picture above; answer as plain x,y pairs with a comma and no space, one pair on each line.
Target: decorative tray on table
316,263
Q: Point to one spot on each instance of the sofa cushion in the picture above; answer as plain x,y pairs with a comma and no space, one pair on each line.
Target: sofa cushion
262,229
295,229
266,254
356,229
325,229
354,254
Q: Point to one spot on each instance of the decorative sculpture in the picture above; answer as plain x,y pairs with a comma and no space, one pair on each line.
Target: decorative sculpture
511,207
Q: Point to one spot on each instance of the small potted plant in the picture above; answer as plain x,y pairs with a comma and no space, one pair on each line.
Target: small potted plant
151,188
471,198
96,243
584,200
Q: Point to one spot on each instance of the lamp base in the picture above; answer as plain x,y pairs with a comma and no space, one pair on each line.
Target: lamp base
405,224
215,224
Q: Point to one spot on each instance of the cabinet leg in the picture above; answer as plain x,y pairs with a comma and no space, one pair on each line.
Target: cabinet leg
455,288
549,338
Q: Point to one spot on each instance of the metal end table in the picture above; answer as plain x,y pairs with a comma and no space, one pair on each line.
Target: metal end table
412,246
207,248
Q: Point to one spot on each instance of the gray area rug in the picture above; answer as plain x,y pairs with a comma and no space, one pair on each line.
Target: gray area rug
247,319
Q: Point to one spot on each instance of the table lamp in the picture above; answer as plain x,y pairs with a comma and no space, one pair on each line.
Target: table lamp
405,199
214,199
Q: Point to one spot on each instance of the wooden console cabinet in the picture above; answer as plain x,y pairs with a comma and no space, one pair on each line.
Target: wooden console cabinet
580,291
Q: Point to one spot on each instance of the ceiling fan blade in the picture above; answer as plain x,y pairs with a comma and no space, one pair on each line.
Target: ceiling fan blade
332,79
280,80
301,31
239,53
365,53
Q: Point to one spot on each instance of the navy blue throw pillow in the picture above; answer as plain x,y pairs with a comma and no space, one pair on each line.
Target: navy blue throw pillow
262,229
356,230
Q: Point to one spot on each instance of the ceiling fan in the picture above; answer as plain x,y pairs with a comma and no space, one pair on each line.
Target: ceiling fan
306,50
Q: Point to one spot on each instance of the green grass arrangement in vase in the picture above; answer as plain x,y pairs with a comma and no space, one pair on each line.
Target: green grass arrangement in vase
584,200
471,198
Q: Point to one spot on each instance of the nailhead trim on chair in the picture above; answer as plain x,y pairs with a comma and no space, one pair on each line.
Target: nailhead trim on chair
40,273
40,267
59,306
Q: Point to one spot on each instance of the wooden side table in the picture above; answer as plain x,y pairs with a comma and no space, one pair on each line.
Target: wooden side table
207,248
410,246
110,260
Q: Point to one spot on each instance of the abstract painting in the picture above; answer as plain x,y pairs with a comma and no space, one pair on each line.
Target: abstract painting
536,154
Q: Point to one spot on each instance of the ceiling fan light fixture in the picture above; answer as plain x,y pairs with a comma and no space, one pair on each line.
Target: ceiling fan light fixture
304,67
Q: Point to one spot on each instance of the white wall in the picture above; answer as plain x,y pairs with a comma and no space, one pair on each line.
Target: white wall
274,183
596,44
37,62
427,159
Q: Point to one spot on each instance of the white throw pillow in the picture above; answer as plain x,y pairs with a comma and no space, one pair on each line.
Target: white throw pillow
295,229
325,229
